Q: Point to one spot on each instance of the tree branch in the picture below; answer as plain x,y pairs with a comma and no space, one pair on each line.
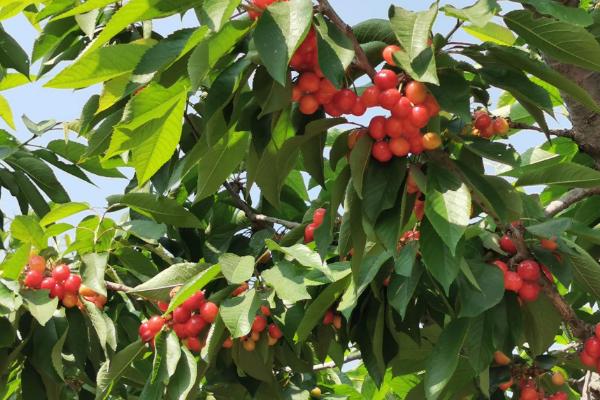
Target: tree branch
569,199
252,215
331,364
361,58
117,287
555,132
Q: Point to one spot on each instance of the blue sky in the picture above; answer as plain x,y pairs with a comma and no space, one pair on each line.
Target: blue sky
40,103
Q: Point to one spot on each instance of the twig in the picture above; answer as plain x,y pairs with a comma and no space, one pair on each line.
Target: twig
253,215
361,58
555,132
569,199
161,252
117,287
453,31
331,364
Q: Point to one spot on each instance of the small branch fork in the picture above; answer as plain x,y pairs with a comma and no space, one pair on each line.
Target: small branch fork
331,364
569,199
568,133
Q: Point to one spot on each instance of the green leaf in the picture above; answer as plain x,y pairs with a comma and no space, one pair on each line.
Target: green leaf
271,96
82,8
235,268
238,312
564,42
193,285
159,286
288,281
31,194
6,113
443,360
586,270
571,15
541,324
40,305
27,229
220,161
161,209
13,264
404,262
182,382
335,51
401,290
496,151
42,176
567,174
374,30
475,301
299,252
478,14
99,66
225,85
381,185
102,325
56,354
453,93
12,55
112,370
359,160
491,32
279,32
443,264
62,211
92,271
215,13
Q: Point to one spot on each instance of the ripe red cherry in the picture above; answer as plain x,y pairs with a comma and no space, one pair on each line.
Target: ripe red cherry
388,98
507,245
195,325
57,291
419,209
181,315
386,79
529,270
228,343
61,272
180,330
162,306
37,263
502,265
529,291
482,121
274,331
259,324
209,311
309,232
33,279
319,216
419,116
402,108
308,104
73,283
332,109
194,301
194,344
432,105
597,331
549,244
399,147
309,82
146,334
500,126
359,108
587,359
156,323
328,318
592,347
512,281
528,393
370,96
393,127
411,132
377,128
345,100
416,92
265,310
388,52
559,396
48,283
381,152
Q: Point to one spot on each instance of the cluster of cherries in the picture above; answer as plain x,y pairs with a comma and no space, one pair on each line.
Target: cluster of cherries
333,318
309,231
259,325
590,356
486,126
189,321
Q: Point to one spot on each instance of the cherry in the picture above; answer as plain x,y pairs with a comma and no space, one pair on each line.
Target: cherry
265,310
507,245
181,315
319,216
259,324
370,96
47,283
500,126
194,301
431,141
296,93
195,325
416,145
249,344
209,311
549,244
308,104
482,121
529,291
386,79
393,127
194,344
402,109
33,279
411,187
315,392
228,343
328,318
419,209
272,341
73,283
558,379
502,265
546,272
419,116
146,334
592,347
274,331
560,396
61,272
381,152
156,323
180,330
399,147
528,393
37,263
345,100
512,281
597,331
501,359
529,270
309,232
309,82
587,360
377,128
57,291
359,108
69,300
337,322
416,92
388,98
386,281
388,52
332,109
411,131
255,336
239,290
506,385
86,291
432,105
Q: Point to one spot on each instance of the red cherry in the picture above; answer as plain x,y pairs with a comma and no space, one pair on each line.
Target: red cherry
228,343
411,131
502,265
393,127
328,318
162,306
432,105
528,393
512,281
388,52
181,315
47,283
482,121
549,244
416,146
209,311
156,323
146,334
370,96
419,116
597,331
195,325
381,152
587,359
402,109
319,216
388,98
194,301
265,310
386,79
416,92
37,263
33,279
308,104
560,396
73,283
592,347
332,109
547,272
274,331
309,82
500,126
259,324
359,108
399,147
419,209
309,232
57,291
377,128
529,270
61,272
194,344
180,330
345,100
507,245
529,291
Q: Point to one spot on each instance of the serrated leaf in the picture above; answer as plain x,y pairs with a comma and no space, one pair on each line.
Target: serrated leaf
236,269
541,324
13,264
238,312
491,32
335,51
111,370
215,13
42,175
566,174
40,305
159,286
92,271
11,54
571,15
586,270
6,112
478,14
182,382
27,229
161,209
474,301
288,281
439,260
63,211
193,285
